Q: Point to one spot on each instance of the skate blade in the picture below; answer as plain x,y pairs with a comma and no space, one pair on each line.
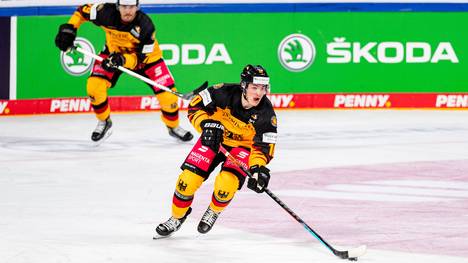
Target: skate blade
108,134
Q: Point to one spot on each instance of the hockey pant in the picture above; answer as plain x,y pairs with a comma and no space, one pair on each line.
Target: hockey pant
197,167
101,80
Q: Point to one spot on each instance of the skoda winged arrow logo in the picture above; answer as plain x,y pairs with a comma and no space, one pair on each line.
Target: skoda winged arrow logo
76,63
296,52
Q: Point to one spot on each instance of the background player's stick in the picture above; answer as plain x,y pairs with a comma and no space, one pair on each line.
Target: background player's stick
351,254
187,96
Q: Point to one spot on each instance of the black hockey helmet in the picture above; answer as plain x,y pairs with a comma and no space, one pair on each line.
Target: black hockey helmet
128,2
254,74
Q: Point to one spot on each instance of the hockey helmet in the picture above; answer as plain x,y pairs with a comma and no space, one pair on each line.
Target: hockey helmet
128,2
254,74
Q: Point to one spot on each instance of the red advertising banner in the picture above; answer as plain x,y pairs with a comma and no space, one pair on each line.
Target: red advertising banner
279,101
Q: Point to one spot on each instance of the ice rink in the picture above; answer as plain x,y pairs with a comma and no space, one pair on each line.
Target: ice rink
395,181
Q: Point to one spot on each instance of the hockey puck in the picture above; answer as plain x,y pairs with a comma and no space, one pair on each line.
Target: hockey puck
352,259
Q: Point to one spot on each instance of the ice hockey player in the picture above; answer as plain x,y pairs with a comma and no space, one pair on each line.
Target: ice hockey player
242,120
131,43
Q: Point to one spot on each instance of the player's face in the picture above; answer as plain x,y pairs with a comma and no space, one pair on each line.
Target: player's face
127,12
254,93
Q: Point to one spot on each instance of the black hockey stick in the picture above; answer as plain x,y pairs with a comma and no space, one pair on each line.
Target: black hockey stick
351,254
187,96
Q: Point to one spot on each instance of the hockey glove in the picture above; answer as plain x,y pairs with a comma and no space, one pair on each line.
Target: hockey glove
113,62
260,178
212,134
65,37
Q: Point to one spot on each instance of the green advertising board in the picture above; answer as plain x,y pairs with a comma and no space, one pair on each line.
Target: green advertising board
303,52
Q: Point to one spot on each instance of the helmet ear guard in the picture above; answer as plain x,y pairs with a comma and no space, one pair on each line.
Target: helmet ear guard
243,84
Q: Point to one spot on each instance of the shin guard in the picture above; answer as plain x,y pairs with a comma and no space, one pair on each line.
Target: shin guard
187,184
169,108
226,185
96,89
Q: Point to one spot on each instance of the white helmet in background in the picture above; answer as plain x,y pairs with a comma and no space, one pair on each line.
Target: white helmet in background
127,2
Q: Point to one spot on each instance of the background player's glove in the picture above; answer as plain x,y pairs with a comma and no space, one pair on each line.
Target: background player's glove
212,134
65,37
260,178
113,61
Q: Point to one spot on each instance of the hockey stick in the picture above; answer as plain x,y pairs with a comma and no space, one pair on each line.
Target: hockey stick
351,254
187,96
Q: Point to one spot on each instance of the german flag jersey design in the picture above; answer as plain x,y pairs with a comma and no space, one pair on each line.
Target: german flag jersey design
135,40
254,128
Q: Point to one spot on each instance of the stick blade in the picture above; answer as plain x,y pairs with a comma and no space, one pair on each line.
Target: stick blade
357,252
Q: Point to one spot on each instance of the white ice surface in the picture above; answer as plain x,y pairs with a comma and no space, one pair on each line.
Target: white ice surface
63,200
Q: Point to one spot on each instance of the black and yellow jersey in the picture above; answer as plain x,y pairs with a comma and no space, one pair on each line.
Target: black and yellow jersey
253,128
135,40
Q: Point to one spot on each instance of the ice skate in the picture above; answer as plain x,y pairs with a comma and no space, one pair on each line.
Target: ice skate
180,134
207,221
103,131
171,225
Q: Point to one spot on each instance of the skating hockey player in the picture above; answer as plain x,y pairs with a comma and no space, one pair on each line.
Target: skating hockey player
131,43
242,120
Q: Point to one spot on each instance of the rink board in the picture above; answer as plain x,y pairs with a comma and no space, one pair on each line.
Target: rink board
279,101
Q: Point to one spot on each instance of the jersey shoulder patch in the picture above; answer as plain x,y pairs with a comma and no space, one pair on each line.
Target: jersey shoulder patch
269,137
148,48
206,96
274,121
94,11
